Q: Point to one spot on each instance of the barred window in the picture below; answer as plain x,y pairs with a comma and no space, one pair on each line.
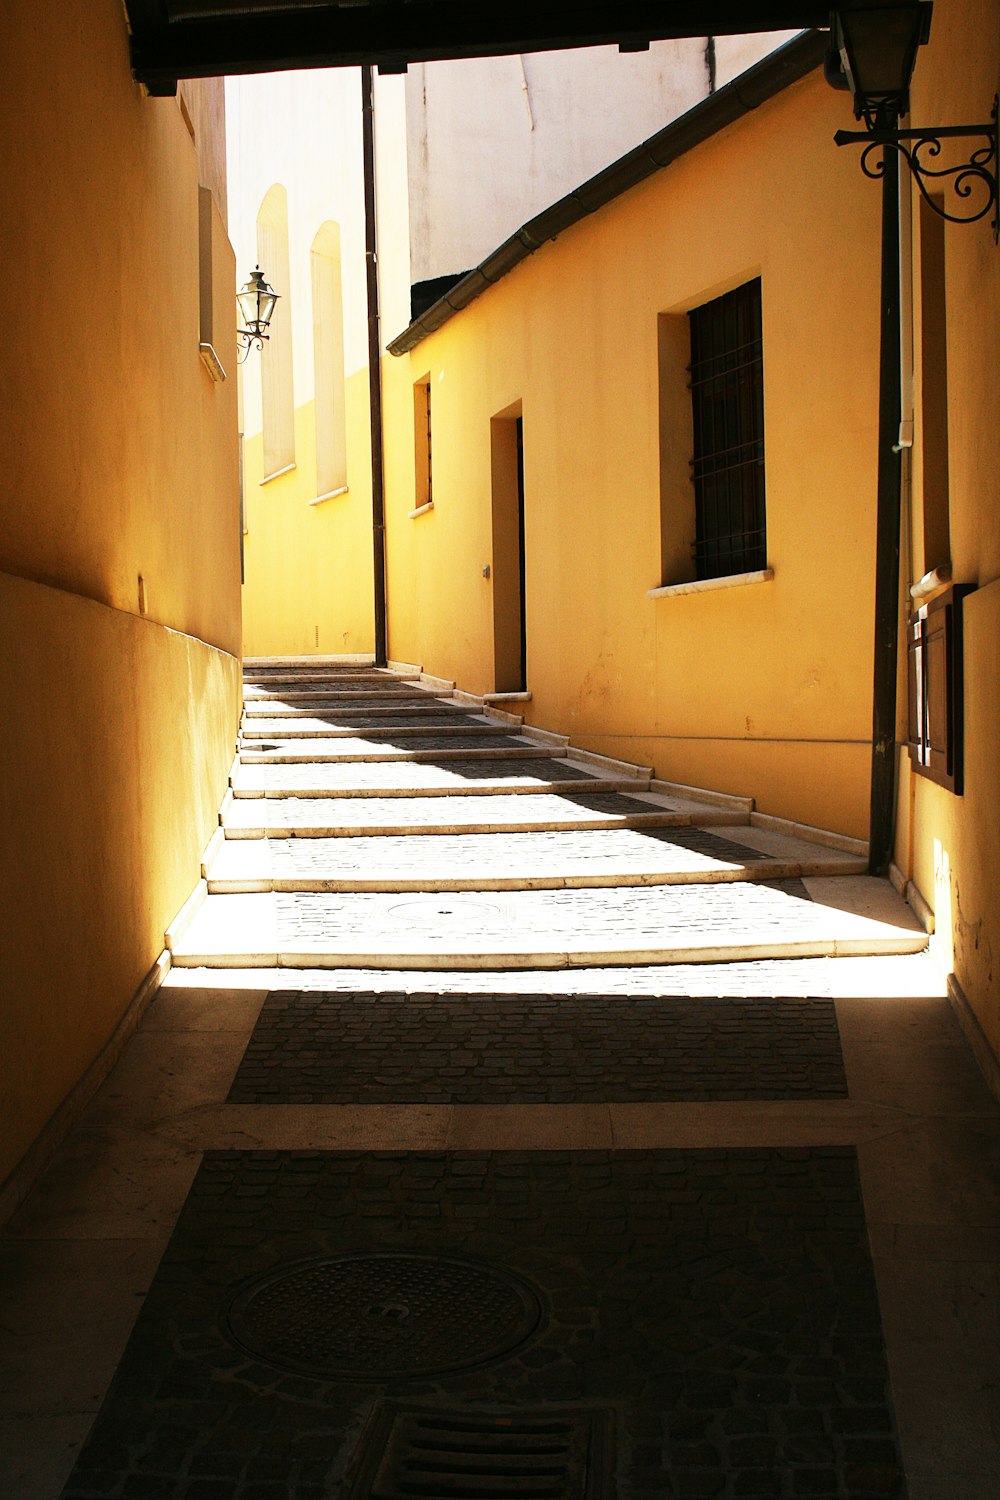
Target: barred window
727,395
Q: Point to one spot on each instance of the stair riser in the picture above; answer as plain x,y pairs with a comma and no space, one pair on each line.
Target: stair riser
325,757
255,708
310,885
579,959
409,830
416,731
483,789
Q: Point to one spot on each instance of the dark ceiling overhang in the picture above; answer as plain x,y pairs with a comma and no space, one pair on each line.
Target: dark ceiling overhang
174,39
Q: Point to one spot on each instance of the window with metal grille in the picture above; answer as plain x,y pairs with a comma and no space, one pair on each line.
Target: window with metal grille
727,395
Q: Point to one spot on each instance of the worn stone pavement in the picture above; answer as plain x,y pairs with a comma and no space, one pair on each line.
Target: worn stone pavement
735,1227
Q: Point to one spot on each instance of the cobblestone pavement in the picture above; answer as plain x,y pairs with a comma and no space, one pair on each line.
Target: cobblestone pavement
622,850
701,1299
719,1305
438,1049
590,918
455,775
343,747
318,812
438,734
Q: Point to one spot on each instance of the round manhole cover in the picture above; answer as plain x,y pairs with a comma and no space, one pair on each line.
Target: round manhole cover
447,909
378,1317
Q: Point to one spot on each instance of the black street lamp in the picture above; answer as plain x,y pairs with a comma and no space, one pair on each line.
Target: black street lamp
874,48
873,54
256,304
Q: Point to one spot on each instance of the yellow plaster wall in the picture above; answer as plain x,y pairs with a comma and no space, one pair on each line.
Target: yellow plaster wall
948,845
120,451
308,573
115,764
762,689
120,462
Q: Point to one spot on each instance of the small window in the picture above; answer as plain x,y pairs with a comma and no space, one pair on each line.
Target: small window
934,652
422,447
727,399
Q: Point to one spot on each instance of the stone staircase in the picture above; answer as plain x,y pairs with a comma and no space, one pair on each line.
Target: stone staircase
380,819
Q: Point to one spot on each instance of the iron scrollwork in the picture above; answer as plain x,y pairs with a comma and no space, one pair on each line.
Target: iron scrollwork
921,149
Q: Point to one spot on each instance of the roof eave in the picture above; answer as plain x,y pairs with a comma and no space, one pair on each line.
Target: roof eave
746,93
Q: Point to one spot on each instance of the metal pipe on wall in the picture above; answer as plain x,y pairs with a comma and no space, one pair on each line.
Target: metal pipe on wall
889,488
374,367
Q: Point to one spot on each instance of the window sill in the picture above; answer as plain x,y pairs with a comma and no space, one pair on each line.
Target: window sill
421,510
211,361
708,585
288,469
330,495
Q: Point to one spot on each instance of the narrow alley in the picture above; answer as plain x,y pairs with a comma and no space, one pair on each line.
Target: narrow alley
512,1124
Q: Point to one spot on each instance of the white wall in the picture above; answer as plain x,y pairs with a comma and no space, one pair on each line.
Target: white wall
493,141
303,130
465,153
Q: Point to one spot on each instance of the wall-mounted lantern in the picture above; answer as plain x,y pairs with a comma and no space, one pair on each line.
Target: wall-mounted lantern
874,48
256,304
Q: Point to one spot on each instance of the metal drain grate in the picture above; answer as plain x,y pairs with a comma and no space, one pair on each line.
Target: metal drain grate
414,1453
379,1317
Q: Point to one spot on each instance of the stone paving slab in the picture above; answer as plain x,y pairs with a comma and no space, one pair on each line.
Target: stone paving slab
378,1048
550,928
532,774
721,1304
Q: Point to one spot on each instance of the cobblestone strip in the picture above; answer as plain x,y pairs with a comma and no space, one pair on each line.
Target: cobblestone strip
565,852
315,1048
317,729
721,1302
364,778
346,813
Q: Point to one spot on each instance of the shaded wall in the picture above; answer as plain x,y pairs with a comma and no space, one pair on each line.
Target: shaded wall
947,845
119,538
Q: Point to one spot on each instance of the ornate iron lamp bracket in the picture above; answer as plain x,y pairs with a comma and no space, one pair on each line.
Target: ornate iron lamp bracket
969,181
248,340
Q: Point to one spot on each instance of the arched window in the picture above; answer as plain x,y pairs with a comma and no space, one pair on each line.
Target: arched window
328,353
276,360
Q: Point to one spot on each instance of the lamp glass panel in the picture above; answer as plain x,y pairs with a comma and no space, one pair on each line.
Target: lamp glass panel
881,47
266,307
247,300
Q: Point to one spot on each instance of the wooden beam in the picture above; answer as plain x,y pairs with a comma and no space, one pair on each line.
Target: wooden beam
398,32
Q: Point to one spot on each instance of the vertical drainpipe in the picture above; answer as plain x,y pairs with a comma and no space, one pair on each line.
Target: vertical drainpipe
374,367
883,778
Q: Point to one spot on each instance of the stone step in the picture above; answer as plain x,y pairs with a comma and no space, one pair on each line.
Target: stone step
312,728
337,817
344,710
418,861
375,693
283,750
359,675
475,778
548,929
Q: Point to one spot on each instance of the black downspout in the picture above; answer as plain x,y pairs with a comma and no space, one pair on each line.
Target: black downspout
374,367
883,782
